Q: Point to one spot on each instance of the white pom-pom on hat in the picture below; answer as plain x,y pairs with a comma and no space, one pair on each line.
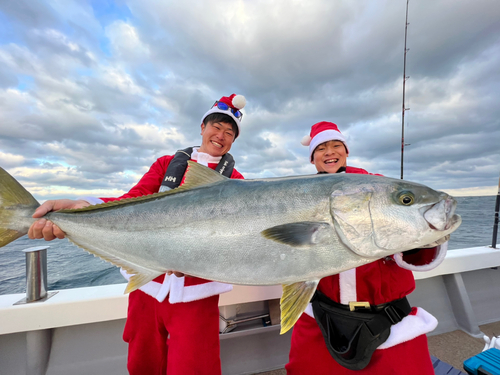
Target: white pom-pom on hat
239,101
306,141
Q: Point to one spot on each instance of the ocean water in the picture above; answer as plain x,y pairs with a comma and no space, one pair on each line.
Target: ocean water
71,267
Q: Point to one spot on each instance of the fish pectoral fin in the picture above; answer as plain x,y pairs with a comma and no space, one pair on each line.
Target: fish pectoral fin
139,280
294,301
304,233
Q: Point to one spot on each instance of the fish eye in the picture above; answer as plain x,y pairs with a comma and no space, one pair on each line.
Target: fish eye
406,198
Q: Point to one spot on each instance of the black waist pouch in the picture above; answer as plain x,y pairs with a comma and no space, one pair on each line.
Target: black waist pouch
352,336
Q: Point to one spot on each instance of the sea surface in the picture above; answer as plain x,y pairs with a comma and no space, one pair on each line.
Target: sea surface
71,267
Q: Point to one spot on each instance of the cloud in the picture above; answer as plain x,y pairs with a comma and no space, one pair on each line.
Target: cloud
92,94
10,160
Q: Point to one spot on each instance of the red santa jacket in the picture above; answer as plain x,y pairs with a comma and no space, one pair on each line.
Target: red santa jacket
386,280
179,289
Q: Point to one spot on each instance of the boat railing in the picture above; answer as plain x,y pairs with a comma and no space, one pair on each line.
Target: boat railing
38,342
465,279
495,224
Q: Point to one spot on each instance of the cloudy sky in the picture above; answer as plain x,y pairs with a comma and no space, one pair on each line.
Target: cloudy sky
92,92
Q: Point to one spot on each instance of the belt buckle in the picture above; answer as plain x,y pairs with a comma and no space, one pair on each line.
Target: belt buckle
392,314
353,305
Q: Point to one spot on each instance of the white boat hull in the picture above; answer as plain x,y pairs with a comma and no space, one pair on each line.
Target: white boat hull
84,326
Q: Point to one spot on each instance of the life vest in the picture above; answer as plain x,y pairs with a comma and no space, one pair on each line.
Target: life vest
177,168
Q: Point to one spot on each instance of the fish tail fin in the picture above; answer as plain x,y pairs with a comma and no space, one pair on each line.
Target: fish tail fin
16,207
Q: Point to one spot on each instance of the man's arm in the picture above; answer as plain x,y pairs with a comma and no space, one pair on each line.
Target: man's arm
45,229
149,183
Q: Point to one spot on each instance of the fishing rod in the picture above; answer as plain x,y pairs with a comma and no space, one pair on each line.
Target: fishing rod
495,225
404,84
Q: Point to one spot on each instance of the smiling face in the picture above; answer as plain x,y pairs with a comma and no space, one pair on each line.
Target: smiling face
217,138
330,156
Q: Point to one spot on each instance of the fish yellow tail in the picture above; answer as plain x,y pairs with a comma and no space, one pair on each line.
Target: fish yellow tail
16,207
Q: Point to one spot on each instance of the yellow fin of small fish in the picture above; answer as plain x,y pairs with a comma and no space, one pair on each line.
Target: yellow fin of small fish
304,233
294,301
196,175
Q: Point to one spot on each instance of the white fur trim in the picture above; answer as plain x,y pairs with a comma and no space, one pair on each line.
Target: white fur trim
173,286
93,201
347,286
309,310
325,136
196,292
203,158
442,249
407,329
228,112
239,101
410,327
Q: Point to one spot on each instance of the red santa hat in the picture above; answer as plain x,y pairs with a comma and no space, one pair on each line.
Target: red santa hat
323,132
229,105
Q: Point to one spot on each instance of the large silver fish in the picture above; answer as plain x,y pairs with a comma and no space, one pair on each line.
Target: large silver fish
291,231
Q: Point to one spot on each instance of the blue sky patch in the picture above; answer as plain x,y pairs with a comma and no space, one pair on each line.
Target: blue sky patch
25,82
107,12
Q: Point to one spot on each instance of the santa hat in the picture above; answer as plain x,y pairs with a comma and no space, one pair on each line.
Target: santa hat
229,105
323,132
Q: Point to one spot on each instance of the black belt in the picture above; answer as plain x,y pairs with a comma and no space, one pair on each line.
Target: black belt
353,332
395,310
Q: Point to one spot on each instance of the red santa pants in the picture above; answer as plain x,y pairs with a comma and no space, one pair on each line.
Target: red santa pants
309,355
193,345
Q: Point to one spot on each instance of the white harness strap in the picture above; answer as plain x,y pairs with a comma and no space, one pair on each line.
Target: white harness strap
347,284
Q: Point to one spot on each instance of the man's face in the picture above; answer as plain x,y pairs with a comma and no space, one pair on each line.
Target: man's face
330,156
217,138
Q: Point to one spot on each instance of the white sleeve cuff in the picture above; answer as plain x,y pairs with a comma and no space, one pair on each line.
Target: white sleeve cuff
438,259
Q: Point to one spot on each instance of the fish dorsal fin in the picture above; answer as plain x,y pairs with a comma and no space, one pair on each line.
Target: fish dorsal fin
199,175
303,233
196,175
294,301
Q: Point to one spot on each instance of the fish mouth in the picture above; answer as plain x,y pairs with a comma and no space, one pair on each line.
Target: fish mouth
441,215
439,242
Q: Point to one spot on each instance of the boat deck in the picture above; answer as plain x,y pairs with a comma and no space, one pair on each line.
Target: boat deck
452,348
457,346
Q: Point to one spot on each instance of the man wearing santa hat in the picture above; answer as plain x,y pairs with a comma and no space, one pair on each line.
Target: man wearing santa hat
173,321
331,337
